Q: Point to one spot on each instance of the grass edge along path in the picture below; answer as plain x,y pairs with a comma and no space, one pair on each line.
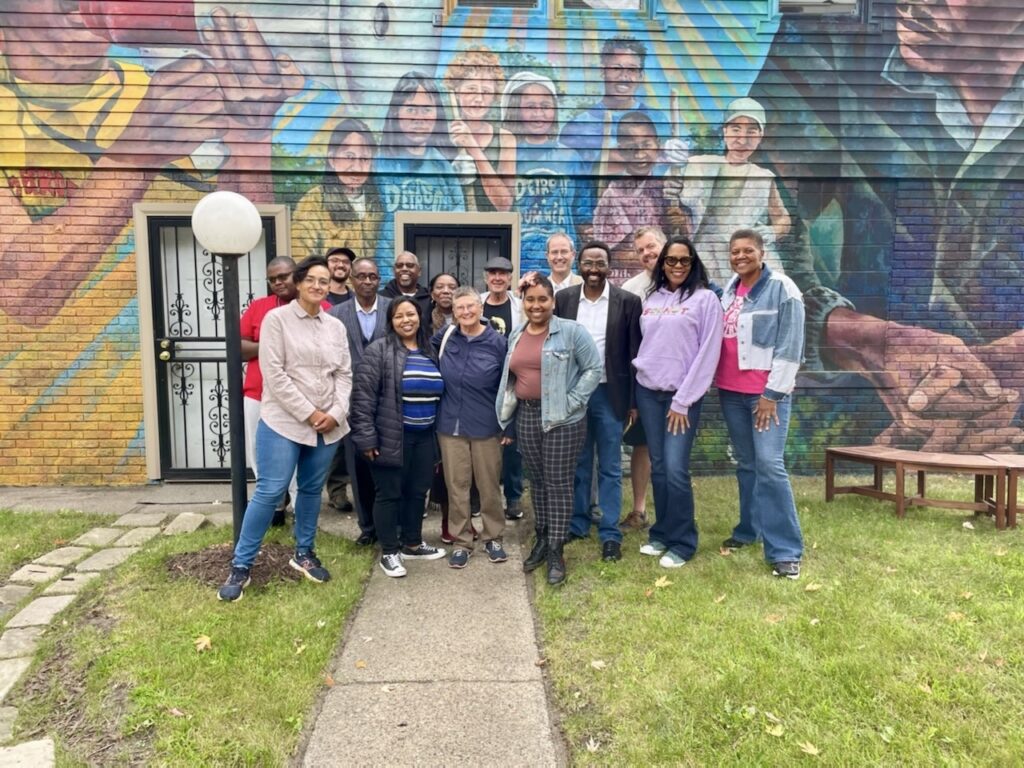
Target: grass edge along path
148,668
24,536
899,645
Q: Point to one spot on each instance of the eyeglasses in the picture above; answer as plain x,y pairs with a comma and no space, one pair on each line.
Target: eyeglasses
280,278
588,264
321,282
406,265
677,261
367,277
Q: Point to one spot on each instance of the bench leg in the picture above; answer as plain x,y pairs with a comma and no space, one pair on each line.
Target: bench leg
1011,498
879,475
920,483
830,480
1000,480
979,488
900,501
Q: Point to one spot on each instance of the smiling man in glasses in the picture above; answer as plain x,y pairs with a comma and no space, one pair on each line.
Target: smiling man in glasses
282,291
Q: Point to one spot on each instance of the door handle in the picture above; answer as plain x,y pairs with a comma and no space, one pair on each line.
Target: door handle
165,355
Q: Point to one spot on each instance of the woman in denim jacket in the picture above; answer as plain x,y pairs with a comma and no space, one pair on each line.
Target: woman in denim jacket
762,348
550,371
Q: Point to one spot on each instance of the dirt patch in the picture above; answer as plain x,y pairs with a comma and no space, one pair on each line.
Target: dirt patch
210,566
92,740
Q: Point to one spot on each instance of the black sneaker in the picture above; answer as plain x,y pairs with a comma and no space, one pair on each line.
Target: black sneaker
392,565
366,540
611,551
309,566
237,581
788,569
422,551
734,544
495,552
514,510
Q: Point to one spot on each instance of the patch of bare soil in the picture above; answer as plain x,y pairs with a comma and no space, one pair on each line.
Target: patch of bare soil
210,566
91,740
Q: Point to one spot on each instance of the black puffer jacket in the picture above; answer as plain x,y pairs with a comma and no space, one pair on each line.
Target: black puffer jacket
376,413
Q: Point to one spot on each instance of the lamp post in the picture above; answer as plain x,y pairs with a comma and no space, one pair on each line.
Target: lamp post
228,226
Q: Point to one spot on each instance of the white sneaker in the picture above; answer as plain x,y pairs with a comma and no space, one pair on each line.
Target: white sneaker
653,548
671,560
392,565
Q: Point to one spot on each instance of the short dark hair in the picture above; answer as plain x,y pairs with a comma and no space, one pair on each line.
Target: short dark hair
624,43
748,234
697,278
634,118
434,279
422,340
538,279
597,244
307,264
288,261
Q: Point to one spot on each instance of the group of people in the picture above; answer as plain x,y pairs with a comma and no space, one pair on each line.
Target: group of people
562,375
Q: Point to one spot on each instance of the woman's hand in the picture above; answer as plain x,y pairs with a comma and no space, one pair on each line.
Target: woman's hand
678,423
371,454
322,422
765,413
507,441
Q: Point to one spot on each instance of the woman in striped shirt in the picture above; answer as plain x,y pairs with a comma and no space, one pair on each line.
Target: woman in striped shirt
395,396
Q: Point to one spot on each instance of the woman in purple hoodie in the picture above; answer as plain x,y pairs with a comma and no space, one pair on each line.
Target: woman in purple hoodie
682,338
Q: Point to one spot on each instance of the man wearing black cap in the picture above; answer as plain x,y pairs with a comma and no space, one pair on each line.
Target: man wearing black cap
339,261
505,312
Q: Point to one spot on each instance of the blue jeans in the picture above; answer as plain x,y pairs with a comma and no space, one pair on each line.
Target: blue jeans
604,436
277,458
674,525
767,509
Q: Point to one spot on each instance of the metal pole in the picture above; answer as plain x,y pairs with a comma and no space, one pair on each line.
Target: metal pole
236,410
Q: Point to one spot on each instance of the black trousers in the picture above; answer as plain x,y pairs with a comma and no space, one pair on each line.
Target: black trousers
401,492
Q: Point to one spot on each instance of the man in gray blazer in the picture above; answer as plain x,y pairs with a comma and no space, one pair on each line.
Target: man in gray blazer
365,321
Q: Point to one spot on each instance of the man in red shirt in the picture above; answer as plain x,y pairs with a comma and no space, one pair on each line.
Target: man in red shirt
282,291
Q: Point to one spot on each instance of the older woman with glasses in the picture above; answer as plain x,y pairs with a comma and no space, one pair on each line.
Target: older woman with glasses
682,334
307,380
471,357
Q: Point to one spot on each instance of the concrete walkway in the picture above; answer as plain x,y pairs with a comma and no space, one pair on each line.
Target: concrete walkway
438,667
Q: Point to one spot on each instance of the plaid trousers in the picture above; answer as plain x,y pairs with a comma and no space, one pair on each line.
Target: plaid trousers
550,458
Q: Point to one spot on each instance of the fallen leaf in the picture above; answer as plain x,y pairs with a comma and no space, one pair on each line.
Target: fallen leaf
540,662
807,748
775,730
999,662
771,717
955,616
773,618
720,598
887,733
663,582
328,681
725,552
593,746
966,595
812,587
968,525
300,649
175,712
891,569
598,664
321,624
926,687
360,664
983,655
648,592
203,643
815,622
1000,552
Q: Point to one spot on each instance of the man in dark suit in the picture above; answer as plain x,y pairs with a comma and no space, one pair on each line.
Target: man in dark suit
365,320
612,316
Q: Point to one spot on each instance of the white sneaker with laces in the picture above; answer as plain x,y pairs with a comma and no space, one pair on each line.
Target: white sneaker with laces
392,565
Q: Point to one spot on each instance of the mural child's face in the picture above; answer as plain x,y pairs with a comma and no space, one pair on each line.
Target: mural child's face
742,137
638,148
623,71
417,117
475,98
538,111
351,160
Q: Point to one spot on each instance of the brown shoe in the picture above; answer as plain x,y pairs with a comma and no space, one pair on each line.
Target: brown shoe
635,520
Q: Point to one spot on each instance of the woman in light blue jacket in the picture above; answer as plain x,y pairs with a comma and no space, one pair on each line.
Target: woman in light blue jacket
551,369
762,347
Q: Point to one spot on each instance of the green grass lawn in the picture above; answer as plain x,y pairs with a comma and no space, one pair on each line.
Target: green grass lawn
120,680
24,536
900,645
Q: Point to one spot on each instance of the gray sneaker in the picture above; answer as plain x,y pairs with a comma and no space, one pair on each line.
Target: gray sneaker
422,551
495,552
459,558
788,569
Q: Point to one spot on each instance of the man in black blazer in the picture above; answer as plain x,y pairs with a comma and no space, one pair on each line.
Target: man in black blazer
365,320
613,318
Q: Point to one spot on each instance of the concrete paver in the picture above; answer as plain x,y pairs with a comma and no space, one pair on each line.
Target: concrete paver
12,594
11,671
98,537
140,519
186,522
106,559
63,556
7,717
40,611
31,754
20,642
36,574
136,537
70,583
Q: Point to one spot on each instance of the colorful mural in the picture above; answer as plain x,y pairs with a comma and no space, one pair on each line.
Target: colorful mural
884,172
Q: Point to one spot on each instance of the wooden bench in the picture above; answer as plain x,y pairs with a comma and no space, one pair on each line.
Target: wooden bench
989,470
1014,465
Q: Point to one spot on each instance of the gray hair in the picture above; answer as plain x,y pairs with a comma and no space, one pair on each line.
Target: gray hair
572,243
408,253
659,235
467,290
